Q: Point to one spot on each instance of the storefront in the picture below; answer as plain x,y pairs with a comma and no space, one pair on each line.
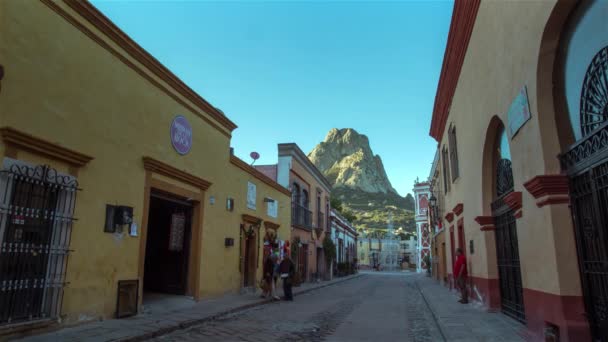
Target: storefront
520,118
117,179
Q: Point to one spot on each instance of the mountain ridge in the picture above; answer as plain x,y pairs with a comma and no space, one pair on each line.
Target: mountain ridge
360,183
346,159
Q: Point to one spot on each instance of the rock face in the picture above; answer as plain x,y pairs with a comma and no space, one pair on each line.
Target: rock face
346,159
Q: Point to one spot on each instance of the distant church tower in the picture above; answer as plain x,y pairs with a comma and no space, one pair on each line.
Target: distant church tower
422,193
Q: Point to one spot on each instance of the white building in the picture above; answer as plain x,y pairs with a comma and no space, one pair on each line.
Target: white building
344,235
422,193
409,250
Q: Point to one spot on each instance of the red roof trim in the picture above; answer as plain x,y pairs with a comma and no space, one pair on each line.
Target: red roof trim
458,209
461,28
544,185
449,217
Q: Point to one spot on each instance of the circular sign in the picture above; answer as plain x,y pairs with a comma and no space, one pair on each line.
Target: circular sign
181,135
254,155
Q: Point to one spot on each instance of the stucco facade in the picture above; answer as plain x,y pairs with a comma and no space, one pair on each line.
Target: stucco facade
80,96
500,55
310,208
344,236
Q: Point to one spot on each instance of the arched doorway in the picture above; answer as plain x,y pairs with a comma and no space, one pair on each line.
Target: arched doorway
507,248
583,97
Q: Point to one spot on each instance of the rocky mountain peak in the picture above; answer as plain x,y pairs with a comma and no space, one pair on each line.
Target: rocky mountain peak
346,159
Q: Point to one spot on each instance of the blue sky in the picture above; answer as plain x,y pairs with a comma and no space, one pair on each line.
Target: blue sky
288,71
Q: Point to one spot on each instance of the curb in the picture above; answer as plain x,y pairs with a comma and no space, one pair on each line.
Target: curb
433,313
190,323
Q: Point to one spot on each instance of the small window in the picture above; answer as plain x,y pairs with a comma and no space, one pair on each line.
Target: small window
446,171
453,152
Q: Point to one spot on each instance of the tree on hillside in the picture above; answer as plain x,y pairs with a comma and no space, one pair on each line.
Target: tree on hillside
335,203
348,214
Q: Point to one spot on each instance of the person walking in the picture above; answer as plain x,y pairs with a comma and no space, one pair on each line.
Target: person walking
268,270
287,270
275,276
460,272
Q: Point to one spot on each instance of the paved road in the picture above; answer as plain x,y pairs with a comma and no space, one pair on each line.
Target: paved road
374,307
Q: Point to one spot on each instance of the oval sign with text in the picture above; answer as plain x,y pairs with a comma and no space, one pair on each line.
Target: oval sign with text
181,135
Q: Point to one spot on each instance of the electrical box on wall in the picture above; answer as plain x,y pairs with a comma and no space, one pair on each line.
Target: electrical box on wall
117,216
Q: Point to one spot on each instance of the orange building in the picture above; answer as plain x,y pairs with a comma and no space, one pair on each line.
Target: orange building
310,193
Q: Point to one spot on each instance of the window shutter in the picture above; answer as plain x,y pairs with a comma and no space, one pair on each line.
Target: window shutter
453,153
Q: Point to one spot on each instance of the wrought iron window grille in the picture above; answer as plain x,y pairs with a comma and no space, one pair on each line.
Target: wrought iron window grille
36,208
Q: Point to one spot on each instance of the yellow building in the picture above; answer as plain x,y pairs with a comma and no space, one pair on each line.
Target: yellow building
115,173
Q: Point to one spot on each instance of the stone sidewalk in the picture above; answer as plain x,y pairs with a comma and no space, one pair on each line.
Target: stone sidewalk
467,322
147,325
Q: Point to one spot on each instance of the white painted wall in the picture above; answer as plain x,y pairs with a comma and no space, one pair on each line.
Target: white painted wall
283,168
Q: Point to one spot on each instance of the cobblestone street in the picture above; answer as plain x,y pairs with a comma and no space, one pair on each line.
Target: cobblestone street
376,306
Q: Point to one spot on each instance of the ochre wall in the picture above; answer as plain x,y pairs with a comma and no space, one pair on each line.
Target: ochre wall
307,181
502,57
63,87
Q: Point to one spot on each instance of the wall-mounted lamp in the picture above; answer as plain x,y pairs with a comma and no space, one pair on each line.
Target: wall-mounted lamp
117,216
433,200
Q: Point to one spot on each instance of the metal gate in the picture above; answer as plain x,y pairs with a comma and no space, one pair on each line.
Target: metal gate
36,207
507,249
587,166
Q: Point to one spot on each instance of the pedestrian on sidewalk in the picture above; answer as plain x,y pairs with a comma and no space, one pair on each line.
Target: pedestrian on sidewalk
275,276
460,271
268,271
287,270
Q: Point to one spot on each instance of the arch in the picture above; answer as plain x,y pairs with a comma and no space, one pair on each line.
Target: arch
305,198
488,173
295,193
423,205
555,131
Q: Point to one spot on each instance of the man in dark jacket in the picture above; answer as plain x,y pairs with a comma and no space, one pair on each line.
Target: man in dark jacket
287,271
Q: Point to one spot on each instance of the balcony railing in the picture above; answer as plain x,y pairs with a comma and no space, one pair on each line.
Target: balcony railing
301,216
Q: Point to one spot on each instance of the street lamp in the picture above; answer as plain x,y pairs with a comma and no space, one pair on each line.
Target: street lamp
433,200
434,210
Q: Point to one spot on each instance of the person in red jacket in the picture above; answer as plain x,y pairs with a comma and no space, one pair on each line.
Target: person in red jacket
460,272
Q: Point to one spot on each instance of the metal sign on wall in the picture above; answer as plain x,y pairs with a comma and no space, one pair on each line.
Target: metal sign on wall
519,112
181,135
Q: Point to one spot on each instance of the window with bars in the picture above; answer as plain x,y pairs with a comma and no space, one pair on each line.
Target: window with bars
453,152
36,217
446,171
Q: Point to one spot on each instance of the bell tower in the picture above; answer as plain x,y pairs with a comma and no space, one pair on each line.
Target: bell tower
422,193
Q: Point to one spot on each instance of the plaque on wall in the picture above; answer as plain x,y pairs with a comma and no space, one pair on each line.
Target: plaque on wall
519,112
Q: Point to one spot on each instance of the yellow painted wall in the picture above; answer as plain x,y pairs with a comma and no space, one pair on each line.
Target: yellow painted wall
502,57
62,86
